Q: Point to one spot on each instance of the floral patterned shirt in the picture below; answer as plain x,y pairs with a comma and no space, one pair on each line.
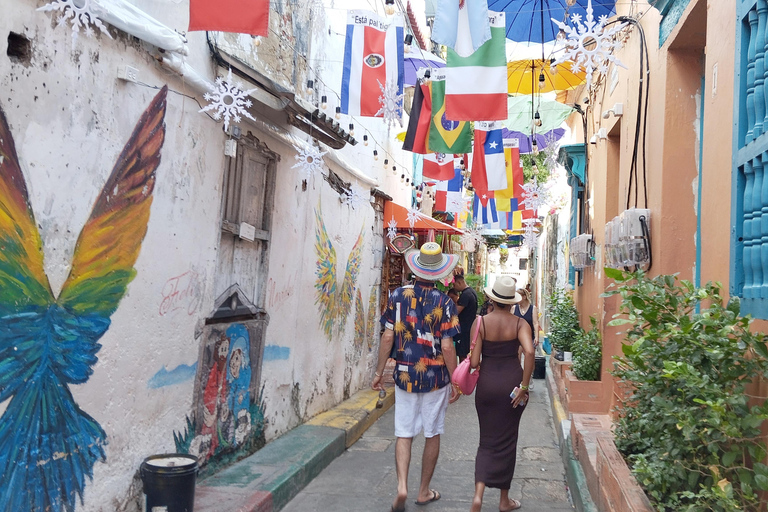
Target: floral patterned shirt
420,316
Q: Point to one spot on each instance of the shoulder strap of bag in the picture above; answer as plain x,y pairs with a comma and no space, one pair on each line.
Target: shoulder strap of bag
477,331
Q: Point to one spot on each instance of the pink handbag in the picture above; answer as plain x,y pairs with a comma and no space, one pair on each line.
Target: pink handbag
464,375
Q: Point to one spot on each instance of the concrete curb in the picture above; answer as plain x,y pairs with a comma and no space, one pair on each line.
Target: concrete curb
574,474
267,480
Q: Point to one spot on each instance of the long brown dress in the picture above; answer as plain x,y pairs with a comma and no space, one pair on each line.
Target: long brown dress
499,421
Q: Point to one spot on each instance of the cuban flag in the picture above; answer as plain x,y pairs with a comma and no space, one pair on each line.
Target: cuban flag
448,197
373,59
485,215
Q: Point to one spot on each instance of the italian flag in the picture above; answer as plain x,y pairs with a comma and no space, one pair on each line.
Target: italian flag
476,86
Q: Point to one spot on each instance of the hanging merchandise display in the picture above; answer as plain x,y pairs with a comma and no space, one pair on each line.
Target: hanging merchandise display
476,85
79,13
590,45
372,79
309,160
228,100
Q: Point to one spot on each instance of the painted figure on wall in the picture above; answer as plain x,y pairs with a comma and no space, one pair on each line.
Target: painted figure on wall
215,407
227,421
335,301
239,378
48,445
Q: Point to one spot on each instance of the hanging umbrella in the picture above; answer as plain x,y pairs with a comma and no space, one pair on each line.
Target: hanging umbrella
530,20
521,110
523,76
524,140
417,59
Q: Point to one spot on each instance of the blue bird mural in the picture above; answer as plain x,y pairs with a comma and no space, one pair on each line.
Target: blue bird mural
48,445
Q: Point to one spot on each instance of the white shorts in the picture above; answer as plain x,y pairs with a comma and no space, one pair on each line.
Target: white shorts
415,412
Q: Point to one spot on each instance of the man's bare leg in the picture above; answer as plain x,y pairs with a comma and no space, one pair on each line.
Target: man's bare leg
428,463
402,463
477,501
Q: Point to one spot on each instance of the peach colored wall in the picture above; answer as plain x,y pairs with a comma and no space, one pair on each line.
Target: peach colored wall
672,150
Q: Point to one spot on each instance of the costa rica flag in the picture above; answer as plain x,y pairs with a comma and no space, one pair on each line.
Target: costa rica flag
373,58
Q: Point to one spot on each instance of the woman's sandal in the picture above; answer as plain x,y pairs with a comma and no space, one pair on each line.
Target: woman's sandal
516,506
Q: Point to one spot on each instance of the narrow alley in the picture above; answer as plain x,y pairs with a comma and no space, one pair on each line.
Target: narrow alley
363,478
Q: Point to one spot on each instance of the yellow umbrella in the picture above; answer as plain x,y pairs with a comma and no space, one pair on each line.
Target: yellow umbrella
523,76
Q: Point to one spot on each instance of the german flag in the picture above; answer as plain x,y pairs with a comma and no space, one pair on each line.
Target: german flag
421,116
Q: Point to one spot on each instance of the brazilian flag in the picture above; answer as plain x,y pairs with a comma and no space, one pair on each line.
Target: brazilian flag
446,136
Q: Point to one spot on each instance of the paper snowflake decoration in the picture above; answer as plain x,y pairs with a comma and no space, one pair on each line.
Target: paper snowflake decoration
601,40
228,100
551,150
471,238
533,196
391,103
80,13
356,196
392,229
309,159
530,235
412,217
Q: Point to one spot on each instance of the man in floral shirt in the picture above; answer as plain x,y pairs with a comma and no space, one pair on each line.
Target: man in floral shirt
420,322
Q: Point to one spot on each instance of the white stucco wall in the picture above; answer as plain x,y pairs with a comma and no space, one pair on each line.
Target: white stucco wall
70,117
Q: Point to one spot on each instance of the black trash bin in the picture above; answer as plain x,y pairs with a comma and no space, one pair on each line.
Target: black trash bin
540,368
169,482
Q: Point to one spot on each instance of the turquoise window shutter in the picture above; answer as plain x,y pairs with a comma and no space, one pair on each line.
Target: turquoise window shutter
749,197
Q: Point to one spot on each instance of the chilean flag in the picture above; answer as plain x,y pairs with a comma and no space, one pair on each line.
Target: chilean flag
489,171
373,58
243,17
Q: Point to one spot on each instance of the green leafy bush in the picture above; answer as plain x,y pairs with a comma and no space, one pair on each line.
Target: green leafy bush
687,427
564,327
588,353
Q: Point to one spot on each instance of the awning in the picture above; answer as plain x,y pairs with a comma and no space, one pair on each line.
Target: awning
422,222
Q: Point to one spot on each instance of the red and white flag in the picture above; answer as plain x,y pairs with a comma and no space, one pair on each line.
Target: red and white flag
373,59
438,166
240,16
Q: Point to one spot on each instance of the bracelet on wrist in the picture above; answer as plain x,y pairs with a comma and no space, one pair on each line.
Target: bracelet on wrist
524,388
377,374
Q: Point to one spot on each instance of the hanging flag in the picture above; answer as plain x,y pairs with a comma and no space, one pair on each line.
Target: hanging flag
421,117
488,168
438,166
243,17
454,18
446,136
449,197
484,213
514,172
476,86
373,62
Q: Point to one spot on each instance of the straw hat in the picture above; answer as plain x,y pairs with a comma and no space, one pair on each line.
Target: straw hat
430,263
504,291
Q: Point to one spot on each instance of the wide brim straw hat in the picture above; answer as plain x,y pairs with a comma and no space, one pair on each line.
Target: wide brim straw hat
429,262
504,291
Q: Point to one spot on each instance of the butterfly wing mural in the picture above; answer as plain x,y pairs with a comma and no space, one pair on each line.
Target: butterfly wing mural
335,301
48,445
373,316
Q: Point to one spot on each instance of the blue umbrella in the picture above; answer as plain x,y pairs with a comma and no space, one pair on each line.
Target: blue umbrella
542,139
530,20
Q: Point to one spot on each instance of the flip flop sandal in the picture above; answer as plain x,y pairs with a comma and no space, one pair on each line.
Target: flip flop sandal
435,497
516,506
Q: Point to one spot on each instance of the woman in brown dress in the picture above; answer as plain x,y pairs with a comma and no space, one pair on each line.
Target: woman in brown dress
500,336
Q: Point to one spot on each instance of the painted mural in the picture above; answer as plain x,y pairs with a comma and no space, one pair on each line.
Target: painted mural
366,332
229,417
48,445
334,298
372,325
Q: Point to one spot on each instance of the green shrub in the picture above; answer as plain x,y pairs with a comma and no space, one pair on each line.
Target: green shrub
564,327
588,354
687,427
475,282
